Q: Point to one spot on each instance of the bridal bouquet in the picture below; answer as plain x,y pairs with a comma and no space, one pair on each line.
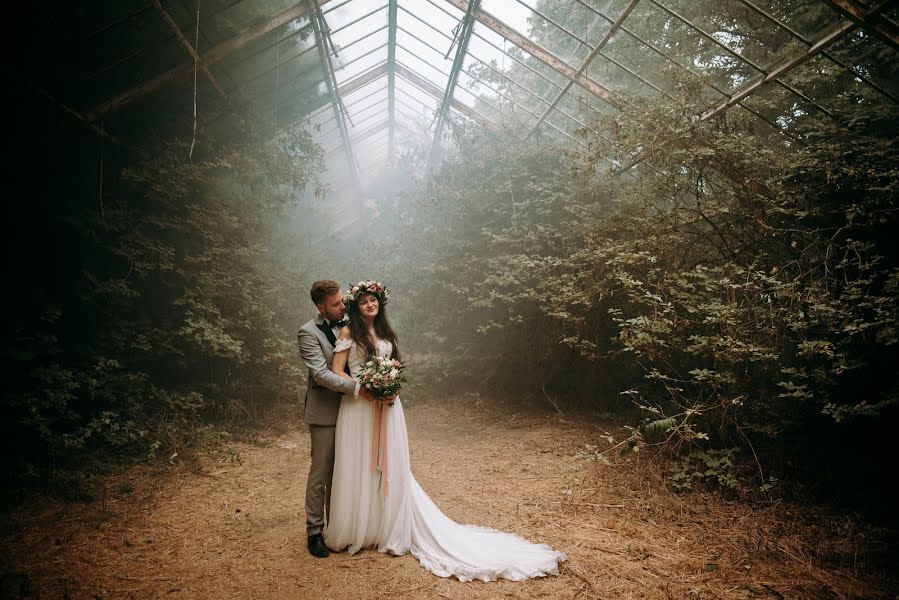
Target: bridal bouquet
382,376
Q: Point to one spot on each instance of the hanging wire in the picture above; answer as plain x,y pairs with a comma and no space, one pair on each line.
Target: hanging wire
456,31
277,74
503,71
193,140
102,213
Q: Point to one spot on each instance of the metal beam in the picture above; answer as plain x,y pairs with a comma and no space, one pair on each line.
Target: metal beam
543,55
680,65
321,27
871,18
462,37
764,79
391,75
208,58
482,82
71,111
428,87
780,70
583,68
346,89
762,70
521,63
855,72
189,47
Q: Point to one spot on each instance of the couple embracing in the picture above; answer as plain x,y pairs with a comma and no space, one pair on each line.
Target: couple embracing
360,473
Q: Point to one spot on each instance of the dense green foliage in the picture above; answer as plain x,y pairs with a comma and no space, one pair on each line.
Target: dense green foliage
735,291
163,311
733,296
740,288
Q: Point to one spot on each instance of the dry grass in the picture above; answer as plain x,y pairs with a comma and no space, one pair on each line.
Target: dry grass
236,529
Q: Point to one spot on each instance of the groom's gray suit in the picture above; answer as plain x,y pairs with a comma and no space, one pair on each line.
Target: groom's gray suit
322,401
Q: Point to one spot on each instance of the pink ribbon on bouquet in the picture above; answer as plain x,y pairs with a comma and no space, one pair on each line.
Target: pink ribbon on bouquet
379,444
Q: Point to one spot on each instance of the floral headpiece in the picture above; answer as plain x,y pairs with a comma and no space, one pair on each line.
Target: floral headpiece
363,287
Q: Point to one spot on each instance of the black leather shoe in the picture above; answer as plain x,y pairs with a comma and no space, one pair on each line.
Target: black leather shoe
317,546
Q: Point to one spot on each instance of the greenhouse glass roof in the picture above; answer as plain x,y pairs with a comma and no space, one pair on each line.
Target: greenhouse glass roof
373,79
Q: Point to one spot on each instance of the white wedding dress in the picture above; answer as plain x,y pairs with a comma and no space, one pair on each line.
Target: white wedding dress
392,513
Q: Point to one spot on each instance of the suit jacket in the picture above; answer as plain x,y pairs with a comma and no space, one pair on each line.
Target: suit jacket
325,387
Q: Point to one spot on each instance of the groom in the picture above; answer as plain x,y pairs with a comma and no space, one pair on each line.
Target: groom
317,339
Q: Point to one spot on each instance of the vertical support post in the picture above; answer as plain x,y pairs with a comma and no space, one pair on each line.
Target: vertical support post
320,26
464,36
391,81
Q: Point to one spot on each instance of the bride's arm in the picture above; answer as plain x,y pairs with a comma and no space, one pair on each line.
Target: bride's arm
338,364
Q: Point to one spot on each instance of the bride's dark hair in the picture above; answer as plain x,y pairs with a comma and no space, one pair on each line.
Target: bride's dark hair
359,332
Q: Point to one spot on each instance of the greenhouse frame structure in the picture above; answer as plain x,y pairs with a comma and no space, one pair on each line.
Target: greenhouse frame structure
369,76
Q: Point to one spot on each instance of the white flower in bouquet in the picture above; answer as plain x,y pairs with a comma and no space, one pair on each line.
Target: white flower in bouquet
382,376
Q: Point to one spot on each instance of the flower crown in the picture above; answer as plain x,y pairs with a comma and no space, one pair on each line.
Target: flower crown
369,287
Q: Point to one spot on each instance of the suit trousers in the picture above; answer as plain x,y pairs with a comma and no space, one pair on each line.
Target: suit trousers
321,470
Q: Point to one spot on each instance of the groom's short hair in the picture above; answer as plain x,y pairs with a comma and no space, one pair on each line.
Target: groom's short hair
323,289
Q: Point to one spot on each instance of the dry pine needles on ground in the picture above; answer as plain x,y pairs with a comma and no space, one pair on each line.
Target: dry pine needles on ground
235,528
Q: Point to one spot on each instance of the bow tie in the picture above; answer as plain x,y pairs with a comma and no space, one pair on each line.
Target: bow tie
339,323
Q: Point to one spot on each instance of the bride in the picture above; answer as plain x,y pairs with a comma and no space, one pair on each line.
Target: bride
375,500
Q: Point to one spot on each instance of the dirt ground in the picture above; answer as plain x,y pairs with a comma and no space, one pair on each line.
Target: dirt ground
235,528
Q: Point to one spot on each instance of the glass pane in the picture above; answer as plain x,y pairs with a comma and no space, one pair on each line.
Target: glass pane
411,107
356,48
368,109
425,49
368,88
348,71
688,47
760,41
349,22
807,19
560,27
495,67
415,96
434,74
620,79
360,101
540,77
629,52
236,17
786,110
417,15
364,122
871,57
